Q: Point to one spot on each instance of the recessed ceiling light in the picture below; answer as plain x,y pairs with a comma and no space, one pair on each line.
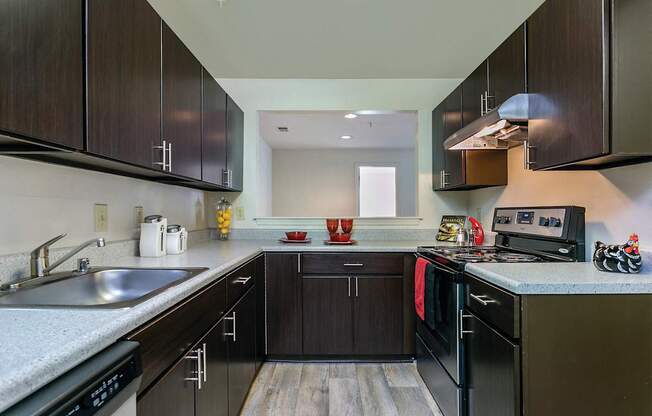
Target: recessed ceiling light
346,137
351,115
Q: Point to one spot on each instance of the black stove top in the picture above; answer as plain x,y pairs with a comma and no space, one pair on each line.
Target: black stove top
484,254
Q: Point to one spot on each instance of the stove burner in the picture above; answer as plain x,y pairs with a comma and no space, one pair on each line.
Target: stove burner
484,255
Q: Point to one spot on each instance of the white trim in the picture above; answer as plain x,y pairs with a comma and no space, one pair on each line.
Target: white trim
318,223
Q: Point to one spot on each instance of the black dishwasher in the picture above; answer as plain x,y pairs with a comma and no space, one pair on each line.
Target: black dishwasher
98,386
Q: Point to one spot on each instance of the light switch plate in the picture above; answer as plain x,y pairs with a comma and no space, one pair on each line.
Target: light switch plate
139,216
239,213
101,218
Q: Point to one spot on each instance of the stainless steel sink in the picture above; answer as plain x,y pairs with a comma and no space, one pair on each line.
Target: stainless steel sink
107,287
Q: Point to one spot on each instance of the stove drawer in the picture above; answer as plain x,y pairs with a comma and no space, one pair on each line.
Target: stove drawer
494,305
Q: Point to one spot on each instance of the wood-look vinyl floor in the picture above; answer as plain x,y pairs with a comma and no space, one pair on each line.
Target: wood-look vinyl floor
296,389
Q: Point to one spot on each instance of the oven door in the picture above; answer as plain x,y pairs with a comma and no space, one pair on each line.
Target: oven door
442,337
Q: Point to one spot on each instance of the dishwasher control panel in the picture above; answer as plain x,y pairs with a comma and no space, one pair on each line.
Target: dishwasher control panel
106,388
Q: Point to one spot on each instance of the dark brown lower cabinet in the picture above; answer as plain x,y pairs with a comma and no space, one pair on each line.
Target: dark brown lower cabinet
493,371
327,315
241,350
172,395
260,312
378,315
283,285
212,398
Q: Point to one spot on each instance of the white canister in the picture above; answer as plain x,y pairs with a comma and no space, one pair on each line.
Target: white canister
176,239
153,236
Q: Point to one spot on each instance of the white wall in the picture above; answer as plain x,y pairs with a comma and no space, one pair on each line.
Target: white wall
265,175
422,95
618,201
321,183
40,201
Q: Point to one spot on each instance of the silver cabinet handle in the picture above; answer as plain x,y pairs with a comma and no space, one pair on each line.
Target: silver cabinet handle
444,175
353,264
199,373
231,334
527,160
163,148
482,113
243,280
225,177
349,281
483,299
170,157
462,330
356,287
204,362
299,263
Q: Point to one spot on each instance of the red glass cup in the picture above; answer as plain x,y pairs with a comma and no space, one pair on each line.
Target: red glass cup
347,225
332,224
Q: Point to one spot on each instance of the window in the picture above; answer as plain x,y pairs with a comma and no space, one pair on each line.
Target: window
376,191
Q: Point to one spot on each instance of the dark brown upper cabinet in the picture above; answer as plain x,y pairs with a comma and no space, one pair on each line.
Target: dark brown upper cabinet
235,144
506,69
41,71
465,169
124,81
181,106
474,91
453,175
590,83
213,131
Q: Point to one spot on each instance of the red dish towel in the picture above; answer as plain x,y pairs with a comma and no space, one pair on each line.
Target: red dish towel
420,286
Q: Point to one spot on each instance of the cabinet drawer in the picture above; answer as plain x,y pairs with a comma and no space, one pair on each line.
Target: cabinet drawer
239,281
168,336
494,305
352,263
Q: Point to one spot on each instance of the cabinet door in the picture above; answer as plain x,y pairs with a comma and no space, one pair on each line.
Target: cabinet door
493,371
260,311
212,398
241,350
327,315
41,81
213,130
507,69
438,151
172,395
235,143
181,106
454,172
378,315
473,89
283,285
566,70
124,81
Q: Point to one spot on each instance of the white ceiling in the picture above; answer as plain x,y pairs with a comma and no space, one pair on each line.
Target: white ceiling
323,129
343,38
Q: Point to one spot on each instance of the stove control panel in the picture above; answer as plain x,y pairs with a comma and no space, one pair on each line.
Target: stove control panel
544,222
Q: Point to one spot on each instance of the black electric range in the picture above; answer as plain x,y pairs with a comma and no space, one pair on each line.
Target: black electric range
524,235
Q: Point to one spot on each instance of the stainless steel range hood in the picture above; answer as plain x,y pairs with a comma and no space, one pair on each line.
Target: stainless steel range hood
501,128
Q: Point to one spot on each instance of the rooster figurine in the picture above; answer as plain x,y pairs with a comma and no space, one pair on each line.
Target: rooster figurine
624,258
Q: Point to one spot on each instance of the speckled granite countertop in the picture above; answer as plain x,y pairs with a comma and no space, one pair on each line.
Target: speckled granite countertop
563,278
39,345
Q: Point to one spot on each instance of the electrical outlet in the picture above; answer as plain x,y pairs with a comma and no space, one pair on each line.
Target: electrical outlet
239,213
139,216
101,218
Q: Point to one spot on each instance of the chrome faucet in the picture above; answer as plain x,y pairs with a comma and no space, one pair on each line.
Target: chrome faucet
40,257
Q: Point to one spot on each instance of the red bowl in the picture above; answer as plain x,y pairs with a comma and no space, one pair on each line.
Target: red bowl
341,237
296,235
